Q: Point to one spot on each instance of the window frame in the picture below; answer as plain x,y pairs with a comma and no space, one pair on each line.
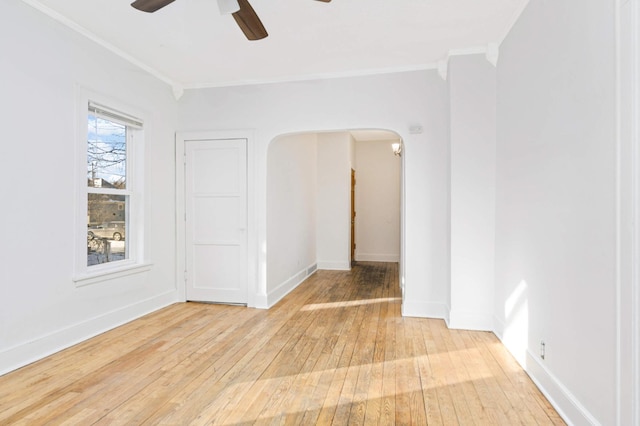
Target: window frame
134,190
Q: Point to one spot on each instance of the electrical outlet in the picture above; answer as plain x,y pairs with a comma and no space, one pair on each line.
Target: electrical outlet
542,349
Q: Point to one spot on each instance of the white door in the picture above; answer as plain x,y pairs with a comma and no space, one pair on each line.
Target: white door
216,220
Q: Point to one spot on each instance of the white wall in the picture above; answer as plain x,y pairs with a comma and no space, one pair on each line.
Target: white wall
555,223
43,66
291,212
628,303
377,202
390,101
556,202
334,200
308,205
555,264
472,87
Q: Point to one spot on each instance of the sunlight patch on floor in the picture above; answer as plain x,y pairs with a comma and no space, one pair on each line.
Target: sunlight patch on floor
288,386
334,305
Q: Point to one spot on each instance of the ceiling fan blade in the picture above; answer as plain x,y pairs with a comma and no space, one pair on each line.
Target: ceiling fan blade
249,22
150,5
326,1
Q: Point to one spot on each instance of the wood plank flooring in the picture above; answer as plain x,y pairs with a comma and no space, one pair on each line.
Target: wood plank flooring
334,351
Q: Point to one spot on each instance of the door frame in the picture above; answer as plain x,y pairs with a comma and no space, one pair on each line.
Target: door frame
252,219
628,212
352,236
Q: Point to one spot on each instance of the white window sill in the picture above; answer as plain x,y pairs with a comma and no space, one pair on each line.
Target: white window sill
110,274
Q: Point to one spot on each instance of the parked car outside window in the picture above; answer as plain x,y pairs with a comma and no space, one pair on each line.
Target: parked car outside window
110,230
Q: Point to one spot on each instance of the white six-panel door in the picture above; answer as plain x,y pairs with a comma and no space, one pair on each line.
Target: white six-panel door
216,220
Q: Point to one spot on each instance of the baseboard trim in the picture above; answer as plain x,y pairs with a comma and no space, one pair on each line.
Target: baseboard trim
334,266
261,301
498,328
565,403
425,310
289,285
41,347
477,321
378,257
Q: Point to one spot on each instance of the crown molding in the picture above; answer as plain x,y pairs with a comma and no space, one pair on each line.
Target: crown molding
319,76
512,21
443,68
93,37
491,50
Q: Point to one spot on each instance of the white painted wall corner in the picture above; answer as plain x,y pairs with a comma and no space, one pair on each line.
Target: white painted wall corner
478,321
334,266
287,287
425,310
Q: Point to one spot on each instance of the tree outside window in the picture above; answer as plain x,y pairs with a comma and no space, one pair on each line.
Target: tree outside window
108,196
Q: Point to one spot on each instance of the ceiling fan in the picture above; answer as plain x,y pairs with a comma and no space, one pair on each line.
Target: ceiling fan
242,12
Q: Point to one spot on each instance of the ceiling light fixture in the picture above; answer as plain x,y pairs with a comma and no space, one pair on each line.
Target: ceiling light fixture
227,7
397,148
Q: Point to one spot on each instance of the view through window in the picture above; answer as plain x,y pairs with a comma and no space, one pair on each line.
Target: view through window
108,194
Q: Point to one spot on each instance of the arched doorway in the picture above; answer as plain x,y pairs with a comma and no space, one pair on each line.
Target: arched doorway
309,205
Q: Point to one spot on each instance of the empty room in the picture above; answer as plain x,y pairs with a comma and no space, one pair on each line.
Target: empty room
320,212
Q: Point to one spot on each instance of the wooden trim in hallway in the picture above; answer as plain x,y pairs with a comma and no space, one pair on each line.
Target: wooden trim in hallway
334,351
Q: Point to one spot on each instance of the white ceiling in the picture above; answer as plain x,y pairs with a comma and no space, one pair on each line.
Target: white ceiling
189,44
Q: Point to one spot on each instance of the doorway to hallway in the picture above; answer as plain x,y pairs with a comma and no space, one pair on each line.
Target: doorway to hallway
332,198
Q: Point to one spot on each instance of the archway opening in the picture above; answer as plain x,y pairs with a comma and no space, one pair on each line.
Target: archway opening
311,199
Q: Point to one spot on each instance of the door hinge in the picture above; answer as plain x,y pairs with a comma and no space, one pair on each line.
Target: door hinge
185,275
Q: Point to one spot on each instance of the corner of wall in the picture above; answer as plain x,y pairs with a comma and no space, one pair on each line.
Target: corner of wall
478,321
498,328
420,309
334,266
266,302
261,301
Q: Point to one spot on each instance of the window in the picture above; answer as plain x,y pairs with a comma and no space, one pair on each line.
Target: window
111,201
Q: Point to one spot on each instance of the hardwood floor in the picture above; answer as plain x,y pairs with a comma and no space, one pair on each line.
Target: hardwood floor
334,351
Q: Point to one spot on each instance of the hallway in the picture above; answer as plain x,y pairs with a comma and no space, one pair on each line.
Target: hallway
334,351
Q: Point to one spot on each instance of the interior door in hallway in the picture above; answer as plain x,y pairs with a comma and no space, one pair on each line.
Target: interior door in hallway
353,217
216,220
